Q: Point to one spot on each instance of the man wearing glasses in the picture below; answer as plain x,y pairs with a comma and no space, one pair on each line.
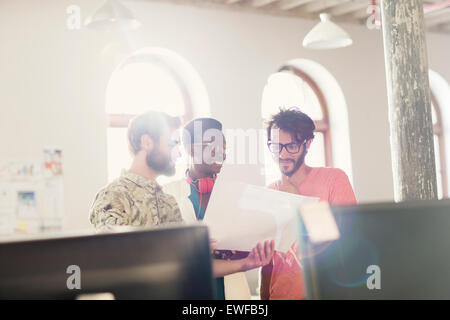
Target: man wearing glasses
205,146
136,199
290,134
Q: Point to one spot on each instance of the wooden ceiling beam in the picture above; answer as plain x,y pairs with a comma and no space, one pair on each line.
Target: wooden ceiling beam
261,3
442,17
232,1
318,6
348,7
290,4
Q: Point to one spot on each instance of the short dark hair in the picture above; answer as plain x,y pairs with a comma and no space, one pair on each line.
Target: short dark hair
152,123
292,120
189,137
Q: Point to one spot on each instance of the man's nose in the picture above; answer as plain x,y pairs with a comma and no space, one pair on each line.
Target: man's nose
284,154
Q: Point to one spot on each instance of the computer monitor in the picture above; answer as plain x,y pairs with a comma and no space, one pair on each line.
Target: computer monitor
163,263
385,251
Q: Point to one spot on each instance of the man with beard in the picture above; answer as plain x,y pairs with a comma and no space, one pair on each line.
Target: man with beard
290,133
205,146
135,198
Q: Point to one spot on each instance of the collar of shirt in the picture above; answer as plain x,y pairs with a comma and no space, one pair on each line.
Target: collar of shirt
152,185
198,209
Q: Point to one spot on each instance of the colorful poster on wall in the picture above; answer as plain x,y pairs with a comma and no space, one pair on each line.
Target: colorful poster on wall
26,205
53,161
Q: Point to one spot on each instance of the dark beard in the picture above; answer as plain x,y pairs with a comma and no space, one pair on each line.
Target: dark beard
159,163
298,164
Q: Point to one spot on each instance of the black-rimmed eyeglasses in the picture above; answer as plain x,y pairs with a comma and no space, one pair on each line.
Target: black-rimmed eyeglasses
290,147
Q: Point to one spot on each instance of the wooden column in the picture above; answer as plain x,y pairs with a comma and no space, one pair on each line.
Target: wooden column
408,89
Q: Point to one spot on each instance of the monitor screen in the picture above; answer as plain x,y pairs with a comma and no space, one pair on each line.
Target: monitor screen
160,263
384,251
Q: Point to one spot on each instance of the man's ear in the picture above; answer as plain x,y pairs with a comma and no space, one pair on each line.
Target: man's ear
308,143
147,143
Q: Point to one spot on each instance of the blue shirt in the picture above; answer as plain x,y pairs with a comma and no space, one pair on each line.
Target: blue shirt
200,214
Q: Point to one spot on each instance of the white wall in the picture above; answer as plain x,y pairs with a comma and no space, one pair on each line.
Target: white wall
53,80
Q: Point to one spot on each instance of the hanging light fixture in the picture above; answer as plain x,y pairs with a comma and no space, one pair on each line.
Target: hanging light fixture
326,35
112,13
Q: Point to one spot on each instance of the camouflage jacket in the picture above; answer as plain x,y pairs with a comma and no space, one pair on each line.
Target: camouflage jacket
132,200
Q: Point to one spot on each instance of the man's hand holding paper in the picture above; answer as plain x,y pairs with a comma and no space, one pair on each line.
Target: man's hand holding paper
251,214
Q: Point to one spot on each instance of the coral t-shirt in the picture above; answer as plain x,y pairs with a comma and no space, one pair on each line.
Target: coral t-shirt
330,185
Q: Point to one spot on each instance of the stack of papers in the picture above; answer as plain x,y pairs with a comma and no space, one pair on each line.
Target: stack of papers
240,215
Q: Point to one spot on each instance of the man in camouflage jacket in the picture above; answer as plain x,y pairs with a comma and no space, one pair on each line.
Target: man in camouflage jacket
135,198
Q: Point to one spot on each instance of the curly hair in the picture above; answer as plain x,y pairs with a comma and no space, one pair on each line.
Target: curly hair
292,120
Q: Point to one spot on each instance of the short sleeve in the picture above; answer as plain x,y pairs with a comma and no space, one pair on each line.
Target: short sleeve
341,192
110,208
172,211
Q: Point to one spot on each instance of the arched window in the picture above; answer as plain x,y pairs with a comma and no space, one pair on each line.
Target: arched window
311,87
440,107
439,148
291,87
316,107
150,79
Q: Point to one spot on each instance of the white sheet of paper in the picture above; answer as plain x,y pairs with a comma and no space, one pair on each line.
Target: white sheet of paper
319,222
240,215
